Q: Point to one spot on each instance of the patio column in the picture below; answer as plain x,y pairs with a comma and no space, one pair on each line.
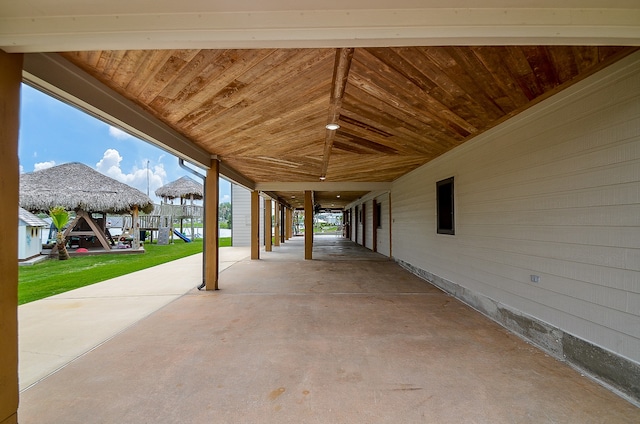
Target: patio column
267,225
10,79
135,227
211,232
283,225
308,224
289,223
255,225
276,232
191,211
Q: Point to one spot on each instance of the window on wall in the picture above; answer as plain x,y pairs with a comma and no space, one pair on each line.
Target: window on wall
378,213
445,213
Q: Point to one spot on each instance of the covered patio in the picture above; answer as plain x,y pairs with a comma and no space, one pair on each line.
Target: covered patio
349,337
491,148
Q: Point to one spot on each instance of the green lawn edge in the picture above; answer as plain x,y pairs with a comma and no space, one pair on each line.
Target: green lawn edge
52,276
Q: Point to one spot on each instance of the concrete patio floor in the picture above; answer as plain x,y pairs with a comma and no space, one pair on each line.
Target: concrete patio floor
57,330
349,337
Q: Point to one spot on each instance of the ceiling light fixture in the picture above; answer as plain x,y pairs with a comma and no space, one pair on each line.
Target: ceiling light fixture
338,196
323,178
332,127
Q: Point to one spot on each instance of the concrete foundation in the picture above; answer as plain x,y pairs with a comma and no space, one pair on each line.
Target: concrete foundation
617,373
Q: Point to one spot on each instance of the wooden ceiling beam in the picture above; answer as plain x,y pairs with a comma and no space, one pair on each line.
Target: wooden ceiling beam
338,85
323,186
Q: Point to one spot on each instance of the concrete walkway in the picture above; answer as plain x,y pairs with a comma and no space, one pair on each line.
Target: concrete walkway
349,337
59,329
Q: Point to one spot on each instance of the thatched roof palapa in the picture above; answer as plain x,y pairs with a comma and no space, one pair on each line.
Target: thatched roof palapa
183,187
76,186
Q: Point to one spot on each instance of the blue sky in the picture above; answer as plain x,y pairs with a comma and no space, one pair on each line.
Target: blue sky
53,133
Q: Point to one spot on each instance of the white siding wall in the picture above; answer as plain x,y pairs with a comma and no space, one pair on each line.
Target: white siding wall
555,193
368,232
359,224
382,244
22,242
29,246
241,216
353,223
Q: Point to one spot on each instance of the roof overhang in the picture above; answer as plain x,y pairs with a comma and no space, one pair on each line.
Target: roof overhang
74,25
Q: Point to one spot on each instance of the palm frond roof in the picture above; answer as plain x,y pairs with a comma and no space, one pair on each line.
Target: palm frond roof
76,186
183,187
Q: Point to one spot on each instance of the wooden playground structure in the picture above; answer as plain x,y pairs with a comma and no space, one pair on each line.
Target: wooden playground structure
94,231
165,220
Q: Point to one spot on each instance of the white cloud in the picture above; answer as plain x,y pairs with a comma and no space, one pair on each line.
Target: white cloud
44,165
21,169
118,133
225,198
138,177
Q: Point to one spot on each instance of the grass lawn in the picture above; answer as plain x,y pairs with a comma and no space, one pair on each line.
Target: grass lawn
52,276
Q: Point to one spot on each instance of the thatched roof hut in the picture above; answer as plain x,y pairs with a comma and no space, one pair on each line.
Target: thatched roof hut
76,186
184,188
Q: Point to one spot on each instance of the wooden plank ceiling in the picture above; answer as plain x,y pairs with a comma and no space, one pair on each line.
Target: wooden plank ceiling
264,111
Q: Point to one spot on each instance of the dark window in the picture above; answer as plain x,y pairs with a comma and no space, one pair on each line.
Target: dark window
379,214
444,194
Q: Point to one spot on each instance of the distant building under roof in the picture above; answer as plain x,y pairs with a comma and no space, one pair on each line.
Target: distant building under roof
29,234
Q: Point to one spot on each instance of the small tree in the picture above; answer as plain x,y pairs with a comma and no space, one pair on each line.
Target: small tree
60,218
224,214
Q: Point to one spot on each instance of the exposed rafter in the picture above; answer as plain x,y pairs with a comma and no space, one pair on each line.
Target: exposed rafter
340,77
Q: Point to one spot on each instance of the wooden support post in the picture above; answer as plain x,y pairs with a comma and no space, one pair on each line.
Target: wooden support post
191,211
255,225
135,228
10,79
212,234
289,223
267,225
97,231
308,224
276,235
283,225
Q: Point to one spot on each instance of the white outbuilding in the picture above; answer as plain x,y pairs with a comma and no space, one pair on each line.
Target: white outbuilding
29,234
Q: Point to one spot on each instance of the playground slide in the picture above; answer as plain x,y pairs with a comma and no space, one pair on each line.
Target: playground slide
182,236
